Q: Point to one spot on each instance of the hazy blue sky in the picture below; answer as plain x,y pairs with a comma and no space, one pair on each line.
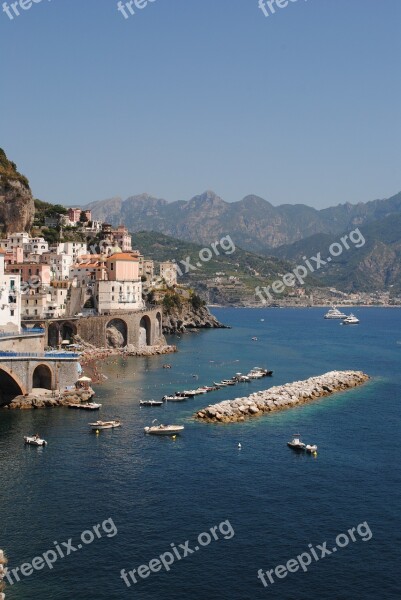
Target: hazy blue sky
303,106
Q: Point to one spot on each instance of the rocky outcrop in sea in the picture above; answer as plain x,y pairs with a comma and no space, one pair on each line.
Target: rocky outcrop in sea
179,320
48,400
281,397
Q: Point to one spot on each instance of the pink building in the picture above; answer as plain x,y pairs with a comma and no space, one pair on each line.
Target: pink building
16,255
122,238
36,273
122,266
74,214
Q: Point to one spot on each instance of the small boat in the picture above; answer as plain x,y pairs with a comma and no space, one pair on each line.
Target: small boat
174,398
254,339
88,406
255,374
163,429
240,378
351,320
296,443
228,382
312,448
151,402
166,366
334,313
34,440
105,424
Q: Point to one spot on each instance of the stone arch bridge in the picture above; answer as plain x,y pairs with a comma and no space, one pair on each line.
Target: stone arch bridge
21,372
115,330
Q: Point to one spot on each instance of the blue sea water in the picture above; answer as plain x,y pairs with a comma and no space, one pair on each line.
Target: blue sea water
160,491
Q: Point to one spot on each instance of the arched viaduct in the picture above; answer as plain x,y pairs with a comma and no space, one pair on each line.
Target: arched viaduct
139,328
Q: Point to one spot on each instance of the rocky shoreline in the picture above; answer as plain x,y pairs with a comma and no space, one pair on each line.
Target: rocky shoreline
48,400
281,397
185,318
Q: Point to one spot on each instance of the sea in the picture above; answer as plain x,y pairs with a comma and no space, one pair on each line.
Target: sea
207,515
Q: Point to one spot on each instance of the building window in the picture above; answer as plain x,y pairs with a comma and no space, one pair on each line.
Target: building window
12,313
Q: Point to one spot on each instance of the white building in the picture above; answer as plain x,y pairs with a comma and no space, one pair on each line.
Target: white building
111,296
35,246
118,285
74,249
10,300
60,265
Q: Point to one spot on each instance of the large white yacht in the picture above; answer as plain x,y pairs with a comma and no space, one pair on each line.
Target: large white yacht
334,313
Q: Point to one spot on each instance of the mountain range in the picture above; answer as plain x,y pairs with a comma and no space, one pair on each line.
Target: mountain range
253,223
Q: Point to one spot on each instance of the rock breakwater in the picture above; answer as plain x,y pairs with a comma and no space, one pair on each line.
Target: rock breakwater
281,397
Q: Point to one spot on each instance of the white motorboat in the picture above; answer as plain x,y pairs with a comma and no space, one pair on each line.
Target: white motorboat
239,377
34,440
88,406
296,443
255,374
151,402
105,425
350,320
334,313
163,429
174,398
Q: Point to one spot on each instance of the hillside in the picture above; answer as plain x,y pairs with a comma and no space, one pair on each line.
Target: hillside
253,223
374,266
212,278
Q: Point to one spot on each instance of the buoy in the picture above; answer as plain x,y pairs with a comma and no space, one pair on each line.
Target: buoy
173,437
97,432
239,446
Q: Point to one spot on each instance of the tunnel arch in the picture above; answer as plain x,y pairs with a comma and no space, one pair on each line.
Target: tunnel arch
53,335
10,386
145,331
42,377
68,331
116,333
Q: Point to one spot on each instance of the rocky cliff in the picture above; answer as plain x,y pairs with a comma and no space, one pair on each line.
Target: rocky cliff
180,319
17,208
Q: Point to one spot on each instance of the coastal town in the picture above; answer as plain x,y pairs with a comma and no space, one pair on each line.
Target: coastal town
65,304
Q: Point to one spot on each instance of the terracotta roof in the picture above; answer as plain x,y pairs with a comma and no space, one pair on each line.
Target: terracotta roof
123,256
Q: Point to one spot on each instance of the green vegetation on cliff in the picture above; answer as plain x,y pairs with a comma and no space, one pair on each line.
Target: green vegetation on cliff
9,171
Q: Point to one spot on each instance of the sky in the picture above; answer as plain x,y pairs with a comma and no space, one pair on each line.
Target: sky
301,106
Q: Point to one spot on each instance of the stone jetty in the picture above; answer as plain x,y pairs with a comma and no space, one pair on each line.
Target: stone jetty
281,397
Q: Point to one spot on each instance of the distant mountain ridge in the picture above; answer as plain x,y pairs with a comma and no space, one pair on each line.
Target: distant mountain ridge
253,223
374,266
